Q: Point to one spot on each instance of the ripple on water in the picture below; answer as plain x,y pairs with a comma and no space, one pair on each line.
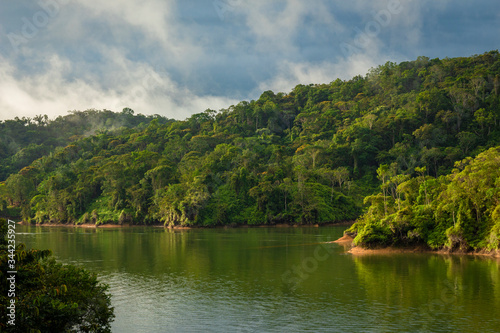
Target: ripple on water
200,282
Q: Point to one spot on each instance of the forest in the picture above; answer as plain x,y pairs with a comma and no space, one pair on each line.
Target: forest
404,148
458,211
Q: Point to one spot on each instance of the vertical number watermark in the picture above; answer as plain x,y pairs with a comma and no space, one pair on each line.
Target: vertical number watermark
11,273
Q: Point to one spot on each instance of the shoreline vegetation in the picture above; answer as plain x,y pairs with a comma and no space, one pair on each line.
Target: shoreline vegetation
457,212
348,242
356,250
359,251
180,227
410,150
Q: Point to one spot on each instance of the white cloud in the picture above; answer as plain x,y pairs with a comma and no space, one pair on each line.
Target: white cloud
139,86
47,93
276,24
151,16
175,58
290,74
59,81
134,26
396,23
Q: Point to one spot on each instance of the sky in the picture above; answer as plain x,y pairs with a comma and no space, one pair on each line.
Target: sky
177,58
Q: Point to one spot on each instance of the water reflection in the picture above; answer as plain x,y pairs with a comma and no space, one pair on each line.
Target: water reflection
436,292
238,280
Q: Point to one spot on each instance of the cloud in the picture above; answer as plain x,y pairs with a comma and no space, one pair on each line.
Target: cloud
95,68
157,22
276,26
291,74
138,86
176,57
47,93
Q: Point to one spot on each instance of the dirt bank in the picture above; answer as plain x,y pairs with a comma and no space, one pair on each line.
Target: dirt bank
359,251
344,239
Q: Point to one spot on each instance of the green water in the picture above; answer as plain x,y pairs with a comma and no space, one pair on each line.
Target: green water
275,280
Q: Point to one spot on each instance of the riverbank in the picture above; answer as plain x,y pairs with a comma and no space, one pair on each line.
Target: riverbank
84,225
179,227
361,251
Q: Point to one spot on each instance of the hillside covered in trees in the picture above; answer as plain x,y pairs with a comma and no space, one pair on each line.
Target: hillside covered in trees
23,140
308,156
458,211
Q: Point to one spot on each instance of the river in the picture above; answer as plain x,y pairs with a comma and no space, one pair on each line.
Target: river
275,280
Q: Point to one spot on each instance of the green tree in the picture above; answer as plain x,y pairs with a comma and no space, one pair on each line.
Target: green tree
51,297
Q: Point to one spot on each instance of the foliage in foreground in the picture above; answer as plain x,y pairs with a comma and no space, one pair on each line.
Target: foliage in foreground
51,297
460,211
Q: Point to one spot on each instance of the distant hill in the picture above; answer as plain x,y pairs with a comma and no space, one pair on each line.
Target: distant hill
24,140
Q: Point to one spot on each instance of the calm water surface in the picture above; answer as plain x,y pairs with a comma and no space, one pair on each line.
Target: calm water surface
275,280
